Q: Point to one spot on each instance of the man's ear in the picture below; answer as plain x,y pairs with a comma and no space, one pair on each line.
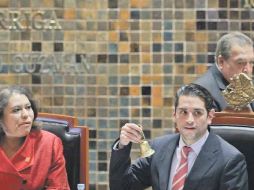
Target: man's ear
220,62
211,115
174,120
174,115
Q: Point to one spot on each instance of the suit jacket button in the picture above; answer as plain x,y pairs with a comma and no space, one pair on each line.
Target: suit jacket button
24,181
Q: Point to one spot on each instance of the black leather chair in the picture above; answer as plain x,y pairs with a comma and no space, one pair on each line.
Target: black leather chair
75,143
238,130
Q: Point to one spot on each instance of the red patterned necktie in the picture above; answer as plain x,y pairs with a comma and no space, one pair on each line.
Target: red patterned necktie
182,170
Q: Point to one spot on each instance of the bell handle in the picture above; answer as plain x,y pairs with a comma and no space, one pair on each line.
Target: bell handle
142,133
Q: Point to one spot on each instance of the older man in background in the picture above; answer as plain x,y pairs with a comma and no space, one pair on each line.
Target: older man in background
234,55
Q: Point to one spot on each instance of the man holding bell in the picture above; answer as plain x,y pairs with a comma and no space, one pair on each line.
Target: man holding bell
192,159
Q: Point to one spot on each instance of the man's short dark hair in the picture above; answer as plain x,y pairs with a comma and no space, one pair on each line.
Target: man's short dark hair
195,90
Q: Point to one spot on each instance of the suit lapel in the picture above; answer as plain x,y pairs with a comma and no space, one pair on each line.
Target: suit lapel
204,162
164,164
222,84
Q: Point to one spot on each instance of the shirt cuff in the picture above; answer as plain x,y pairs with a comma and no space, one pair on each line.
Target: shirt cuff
116,145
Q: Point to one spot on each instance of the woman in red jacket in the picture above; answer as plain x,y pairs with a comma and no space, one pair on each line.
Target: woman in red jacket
31,158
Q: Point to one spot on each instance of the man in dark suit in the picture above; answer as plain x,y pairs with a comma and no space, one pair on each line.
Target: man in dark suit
234,55
211,164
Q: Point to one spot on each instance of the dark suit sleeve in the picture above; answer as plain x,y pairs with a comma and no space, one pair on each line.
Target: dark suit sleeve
235,176
126,176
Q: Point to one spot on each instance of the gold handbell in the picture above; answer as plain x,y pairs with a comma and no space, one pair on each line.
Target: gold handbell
145,149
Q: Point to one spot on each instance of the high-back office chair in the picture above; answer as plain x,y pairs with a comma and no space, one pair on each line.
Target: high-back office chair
75,143
238,129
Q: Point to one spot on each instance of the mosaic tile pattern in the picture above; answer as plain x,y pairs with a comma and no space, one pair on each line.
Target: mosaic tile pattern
115,61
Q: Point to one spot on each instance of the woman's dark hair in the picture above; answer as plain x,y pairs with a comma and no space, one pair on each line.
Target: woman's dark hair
195,90
5,95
